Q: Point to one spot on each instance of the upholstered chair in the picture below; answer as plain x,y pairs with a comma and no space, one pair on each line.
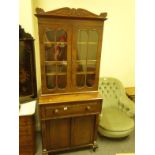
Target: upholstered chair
117,116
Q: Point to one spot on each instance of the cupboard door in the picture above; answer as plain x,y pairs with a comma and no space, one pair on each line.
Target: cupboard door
86,58
57,133
55,58
82,130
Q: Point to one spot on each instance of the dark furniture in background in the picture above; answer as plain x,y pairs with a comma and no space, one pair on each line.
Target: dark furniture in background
27,135
27,93
27,73
70,50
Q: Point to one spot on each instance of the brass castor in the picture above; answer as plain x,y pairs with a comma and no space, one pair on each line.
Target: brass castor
44,152
95,146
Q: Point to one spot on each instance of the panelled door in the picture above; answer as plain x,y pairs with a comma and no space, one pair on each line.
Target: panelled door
66,132
82,130
57,133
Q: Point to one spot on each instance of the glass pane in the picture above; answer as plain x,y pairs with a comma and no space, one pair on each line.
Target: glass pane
82,45
80,80
81,51
51,81
49,53
50,35
90,80
81,66
92,50
56,53
82,36
61,81
93,36
61,36
60,52
91,66
62,68
50,68
92,45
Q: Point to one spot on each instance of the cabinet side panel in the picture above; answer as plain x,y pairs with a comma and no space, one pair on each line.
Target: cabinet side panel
26,135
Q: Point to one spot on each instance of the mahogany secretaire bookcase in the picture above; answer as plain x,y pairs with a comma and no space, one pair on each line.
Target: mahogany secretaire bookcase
69,104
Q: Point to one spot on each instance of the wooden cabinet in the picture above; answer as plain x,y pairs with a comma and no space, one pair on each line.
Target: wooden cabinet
70,50
27,128
69,121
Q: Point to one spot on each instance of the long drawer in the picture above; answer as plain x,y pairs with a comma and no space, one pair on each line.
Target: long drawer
74,109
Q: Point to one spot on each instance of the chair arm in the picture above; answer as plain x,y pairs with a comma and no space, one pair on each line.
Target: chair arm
127,105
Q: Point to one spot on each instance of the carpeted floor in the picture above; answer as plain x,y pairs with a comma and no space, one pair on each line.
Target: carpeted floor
106,146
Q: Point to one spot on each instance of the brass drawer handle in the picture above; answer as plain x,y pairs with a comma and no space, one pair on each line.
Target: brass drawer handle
65,108
56,111
88,108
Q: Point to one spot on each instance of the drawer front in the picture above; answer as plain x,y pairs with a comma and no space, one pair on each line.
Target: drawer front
71,109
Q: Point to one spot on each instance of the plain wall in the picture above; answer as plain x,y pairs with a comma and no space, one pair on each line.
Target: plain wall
26,16
118,51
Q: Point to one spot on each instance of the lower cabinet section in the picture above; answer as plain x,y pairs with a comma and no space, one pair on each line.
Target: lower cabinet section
69,125
58,133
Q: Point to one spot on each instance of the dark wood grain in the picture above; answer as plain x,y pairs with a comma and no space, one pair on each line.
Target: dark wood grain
67,12
26,135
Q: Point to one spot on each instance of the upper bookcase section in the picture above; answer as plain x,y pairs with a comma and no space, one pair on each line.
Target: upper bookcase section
70,13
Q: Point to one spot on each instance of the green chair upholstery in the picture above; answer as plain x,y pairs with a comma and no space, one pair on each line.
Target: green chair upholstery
117,116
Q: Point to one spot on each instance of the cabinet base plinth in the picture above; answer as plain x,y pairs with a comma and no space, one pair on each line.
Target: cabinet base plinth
93,146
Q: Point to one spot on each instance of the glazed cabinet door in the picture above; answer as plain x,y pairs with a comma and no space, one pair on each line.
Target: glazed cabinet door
86,57
55,55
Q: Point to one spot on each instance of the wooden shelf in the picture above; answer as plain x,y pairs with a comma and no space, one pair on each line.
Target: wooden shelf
83,61
55,42
85,72
84,43
56,73
56,62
